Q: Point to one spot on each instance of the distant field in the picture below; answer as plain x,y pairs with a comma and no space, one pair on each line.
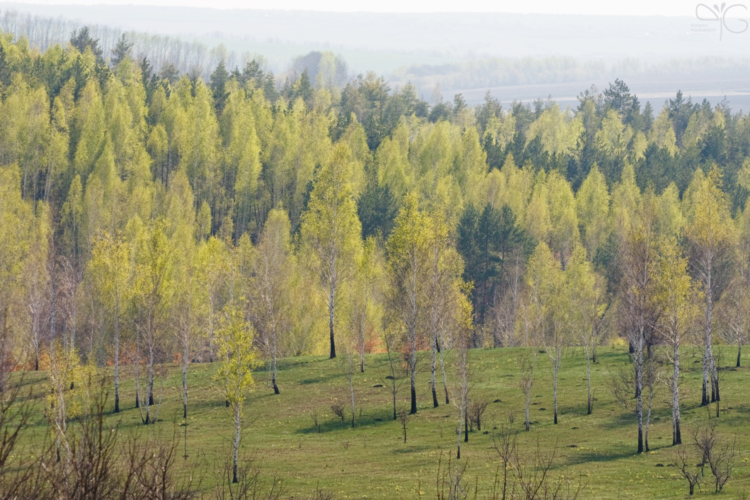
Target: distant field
736,92
372,461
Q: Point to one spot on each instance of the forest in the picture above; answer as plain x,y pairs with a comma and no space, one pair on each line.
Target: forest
154,218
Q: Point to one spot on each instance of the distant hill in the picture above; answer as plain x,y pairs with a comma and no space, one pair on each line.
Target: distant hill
517,56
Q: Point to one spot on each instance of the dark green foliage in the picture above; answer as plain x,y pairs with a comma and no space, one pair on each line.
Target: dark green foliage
606,262
459,104
299,89
579,167
169,73
254,75
619,98
440,111
485,240
5,71
377,208
269,87
523,115
219,79
495,153
485,112
535,152
366,98
518,147
680,111
121,50
378,109
648,117
657,169
81,40
714,146
149,79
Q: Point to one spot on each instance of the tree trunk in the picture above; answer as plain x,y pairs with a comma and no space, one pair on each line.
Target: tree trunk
639,387
273,370
704,391
351,391
362,340
413,399
330,322
709,362
394,389
739,353
413,372
715,374
554,383
676,436
184,388
394,400
528,422
590,407
151,374
466,422
137,364
460,428
236,440
117,358
648,415
445,380
432,381
211,332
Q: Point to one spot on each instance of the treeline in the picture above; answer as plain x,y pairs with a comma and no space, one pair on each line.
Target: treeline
496,71
146,219
163,52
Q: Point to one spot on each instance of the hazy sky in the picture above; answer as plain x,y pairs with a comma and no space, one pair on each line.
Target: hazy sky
596,7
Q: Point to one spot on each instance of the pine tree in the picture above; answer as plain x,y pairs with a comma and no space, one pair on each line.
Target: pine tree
121,50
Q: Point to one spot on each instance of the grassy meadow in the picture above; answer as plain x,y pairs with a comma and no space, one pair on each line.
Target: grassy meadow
371,460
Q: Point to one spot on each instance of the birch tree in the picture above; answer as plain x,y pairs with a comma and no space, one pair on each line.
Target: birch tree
211,272
110,265
364,293
270,294
712,236
550,311
462,401
186,312
235,346
639,313
586,293
676,294
153,295
331,231
37,278
526,384
408,253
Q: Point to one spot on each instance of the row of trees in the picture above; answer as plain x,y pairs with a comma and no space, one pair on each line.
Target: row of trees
139,215
164,52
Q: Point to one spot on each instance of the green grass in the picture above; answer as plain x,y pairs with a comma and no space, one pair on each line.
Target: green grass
372,461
